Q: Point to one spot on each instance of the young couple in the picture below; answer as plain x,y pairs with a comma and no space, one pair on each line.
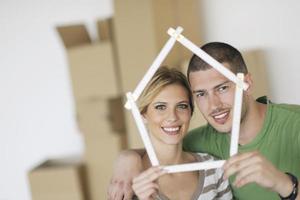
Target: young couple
267,165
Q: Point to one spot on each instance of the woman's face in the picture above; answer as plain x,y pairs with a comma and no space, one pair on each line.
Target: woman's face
168,115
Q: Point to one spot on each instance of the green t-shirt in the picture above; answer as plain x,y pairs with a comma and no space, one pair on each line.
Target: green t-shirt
278,141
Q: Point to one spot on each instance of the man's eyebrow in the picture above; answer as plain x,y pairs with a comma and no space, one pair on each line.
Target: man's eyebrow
197,91
217,86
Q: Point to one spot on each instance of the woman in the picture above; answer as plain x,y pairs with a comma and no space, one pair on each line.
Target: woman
167,106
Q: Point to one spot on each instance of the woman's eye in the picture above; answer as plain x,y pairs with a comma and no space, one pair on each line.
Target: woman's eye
183,106
160,107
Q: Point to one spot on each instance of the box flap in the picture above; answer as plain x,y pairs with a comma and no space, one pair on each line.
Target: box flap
74,35
105,29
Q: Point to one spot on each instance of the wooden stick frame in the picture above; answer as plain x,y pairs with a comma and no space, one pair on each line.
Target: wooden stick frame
175,35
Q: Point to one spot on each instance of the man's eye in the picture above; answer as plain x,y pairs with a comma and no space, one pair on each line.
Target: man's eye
223,88
200,94
160,107
183,106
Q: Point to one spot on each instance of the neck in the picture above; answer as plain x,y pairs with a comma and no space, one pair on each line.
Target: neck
252,122
167,154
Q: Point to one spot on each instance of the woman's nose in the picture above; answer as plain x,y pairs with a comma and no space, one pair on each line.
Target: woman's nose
172,116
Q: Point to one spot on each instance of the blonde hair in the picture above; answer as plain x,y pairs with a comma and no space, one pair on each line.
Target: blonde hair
163,77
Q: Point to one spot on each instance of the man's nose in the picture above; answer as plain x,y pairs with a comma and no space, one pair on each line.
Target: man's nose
214,101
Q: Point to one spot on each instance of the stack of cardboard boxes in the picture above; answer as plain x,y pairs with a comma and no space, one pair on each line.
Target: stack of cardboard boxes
60,180
98,103
102,72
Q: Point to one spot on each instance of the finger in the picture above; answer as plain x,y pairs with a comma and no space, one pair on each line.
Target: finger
250,177
147,194
128,193
119,196
148,180
141,186
147,173
109,191
112,190
239,166
245,172
144,188
239,157
117,191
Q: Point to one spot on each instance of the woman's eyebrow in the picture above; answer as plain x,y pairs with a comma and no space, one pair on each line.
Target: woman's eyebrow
159,102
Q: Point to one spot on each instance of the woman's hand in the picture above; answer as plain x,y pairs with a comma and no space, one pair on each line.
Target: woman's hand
145,185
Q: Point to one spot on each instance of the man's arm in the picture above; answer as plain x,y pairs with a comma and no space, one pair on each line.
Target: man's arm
253,167
127,165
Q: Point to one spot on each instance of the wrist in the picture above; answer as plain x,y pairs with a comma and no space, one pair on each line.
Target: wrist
290,192
284,185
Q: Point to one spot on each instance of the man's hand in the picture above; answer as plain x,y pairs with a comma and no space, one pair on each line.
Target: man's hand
252,167
144,185
127,166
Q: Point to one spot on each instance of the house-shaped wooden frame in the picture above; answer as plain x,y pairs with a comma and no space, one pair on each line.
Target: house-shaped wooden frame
175,35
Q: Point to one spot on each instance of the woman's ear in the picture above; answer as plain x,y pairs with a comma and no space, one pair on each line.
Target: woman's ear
144,119
248,79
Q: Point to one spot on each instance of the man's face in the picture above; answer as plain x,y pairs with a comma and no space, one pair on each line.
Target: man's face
214,96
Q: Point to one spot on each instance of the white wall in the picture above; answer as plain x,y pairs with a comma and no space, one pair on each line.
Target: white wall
36,104
272,26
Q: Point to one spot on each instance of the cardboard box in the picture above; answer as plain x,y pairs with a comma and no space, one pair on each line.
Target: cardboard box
92,66
140,31
99,157
102,123
101,114
139,39
59,180
255,61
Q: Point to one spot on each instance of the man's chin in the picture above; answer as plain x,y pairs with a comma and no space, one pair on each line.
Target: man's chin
221,128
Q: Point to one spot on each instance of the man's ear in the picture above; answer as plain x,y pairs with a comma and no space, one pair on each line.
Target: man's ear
248,79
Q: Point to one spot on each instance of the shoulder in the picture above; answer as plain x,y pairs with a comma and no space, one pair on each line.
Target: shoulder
203,131
287,112
205,134
290,108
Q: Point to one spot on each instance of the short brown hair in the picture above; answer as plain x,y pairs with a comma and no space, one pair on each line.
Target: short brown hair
223,53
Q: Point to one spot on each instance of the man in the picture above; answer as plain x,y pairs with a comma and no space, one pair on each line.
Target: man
268,163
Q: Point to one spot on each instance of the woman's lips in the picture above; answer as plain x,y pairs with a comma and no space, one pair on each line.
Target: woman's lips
171,130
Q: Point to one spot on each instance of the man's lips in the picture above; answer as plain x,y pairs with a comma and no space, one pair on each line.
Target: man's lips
220,117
